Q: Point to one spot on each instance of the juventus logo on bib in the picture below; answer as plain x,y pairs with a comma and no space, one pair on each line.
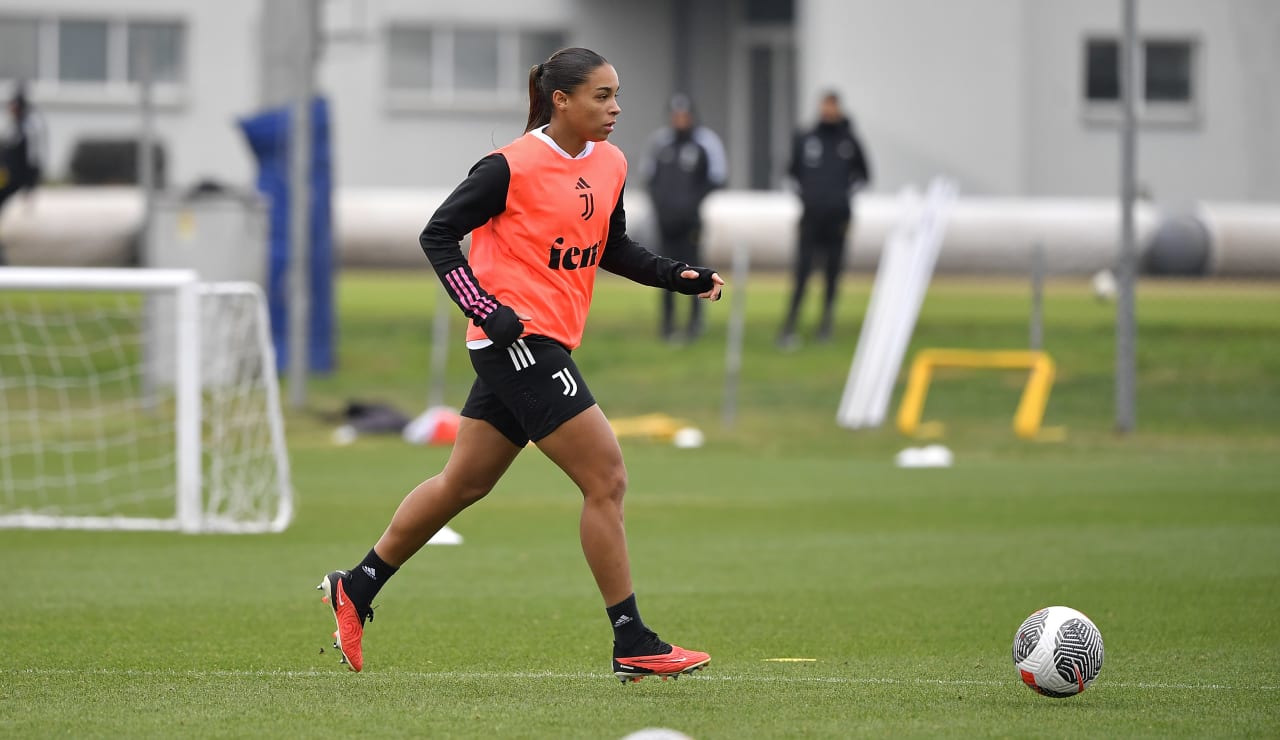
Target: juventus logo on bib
588,199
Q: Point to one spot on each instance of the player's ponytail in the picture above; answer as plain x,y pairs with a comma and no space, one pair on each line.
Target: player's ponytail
565,71
539,106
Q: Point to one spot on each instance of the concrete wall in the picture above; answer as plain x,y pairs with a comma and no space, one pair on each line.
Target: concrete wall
990,92
197,127
636,38
709,62
1230,151
987,91
380,144
942,97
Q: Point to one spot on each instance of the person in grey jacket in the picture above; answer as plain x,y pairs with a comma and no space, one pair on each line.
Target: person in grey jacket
685,161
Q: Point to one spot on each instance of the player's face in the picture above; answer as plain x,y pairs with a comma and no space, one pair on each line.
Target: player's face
829,111
592,110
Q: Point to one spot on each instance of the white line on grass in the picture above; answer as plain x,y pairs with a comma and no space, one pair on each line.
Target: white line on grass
522,675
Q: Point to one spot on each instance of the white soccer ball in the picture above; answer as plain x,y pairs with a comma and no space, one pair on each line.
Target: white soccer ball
656,733
1058,652
1104,285
688,438
344,435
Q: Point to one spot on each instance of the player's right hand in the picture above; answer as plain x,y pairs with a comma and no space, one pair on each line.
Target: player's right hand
504,326
700,281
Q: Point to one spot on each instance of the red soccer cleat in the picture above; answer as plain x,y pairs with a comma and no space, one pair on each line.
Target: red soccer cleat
678,661
350,619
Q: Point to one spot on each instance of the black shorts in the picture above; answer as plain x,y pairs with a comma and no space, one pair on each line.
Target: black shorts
526,390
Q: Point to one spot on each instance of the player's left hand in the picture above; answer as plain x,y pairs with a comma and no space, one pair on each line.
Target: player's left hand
717,283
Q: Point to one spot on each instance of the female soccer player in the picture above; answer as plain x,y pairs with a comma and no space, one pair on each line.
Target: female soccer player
544,212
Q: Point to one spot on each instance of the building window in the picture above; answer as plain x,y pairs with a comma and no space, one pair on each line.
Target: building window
19,50
475,61
409,55
82,51
463,68
1167,71
1166,80
88,60
1102,70
538,46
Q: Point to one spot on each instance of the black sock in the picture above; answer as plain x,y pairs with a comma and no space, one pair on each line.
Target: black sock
630,635
368,578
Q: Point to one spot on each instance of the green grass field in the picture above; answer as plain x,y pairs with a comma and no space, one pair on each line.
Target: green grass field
784,537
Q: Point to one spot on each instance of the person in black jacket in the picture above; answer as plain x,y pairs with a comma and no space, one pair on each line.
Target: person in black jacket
20,151
685,162
828,165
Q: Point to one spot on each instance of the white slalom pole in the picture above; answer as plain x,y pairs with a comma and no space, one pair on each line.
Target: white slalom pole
881,371
902,279
853,410
927,242
875,329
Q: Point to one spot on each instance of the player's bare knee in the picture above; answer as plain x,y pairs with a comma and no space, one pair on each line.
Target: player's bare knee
469,494
466,492
610,485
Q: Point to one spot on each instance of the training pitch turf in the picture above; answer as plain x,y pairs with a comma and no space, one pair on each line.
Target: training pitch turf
784,537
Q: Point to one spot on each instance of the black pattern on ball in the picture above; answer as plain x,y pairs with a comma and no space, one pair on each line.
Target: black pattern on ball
1078,656
1028,635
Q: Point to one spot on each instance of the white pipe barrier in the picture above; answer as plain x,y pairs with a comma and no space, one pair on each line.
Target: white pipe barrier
984,235
1244,238
72,227
378,227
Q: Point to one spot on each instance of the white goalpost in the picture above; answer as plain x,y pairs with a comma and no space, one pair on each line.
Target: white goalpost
138,399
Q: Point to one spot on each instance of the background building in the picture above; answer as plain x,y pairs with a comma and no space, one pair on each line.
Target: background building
1010,97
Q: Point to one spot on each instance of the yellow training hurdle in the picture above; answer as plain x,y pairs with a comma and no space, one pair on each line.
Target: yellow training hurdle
1026,420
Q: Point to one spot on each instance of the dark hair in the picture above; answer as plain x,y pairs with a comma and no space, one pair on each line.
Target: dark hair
565,70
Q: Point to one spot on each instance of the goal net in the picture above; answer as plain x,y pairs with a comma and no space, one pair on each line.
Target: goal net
138,399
